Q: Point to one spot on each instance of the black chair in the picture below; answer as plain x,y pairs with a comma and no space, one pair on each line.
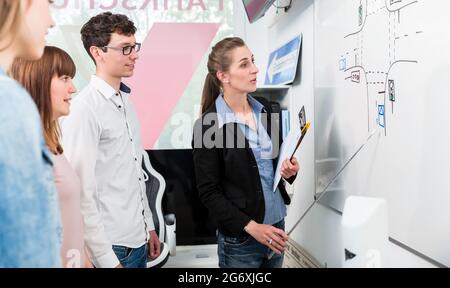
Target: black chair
164,224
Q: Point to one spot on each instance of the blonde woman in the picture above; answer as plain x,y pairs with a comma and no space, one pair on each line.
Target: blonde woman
29,216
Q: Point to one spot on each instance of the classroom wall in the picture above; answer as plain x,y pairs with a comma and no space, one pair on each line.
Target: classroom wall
320,230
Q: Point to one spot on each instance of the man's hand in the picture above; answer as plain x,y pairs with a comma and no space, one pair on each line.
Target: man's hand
154,246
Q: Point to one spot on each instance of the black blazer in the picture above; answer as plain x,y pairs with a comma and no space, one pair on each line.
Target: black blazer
228,179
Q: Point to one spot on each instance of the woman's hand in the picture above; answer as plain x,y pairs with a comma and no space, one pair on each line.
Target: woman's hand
289,168
268,235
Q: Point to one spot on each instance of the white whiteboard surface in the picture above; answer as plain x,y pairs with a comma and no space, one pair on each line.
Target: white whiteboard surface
396,54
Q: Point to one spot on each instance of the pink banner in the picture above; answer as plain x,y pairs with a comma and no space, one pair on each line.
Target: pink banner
170,55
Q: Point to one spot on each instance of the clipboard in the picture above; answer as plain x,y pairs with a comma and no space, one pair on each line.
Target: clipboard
303,128
291,145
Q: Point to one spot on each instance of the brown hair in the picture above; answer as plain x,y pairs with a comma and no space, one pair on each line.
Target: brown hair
36,77
97,31
10,16
219,60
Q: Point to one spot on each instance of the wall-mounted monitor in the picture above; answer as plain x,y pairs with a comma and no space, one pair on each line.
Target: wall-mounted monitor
256,8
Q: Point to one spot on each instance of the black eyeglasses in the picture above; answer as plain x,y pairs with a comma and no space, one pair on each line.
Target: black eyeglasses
125,50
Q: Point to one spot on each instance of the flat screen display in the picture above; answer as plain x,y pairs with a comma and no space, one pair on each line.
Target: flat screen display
194,223
256,8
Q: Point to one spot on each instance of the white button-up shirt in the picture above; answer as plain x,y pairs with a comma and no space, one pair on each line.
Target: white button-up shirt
101,139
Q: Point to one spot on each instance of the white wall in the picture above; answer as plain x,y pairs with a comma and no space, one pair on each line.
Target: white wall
320,231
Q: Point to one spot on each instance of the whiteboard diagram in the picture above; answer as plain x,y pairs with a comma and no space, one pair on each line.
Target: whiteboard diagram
381,93
382,96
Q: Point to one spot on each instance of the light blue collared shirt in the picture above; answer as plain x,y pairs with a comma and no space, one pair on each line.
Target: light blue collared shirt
261,146
30,229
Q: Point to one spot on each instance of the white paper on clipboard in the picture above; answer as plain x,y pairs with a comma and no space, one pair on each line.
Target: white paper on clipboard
286,151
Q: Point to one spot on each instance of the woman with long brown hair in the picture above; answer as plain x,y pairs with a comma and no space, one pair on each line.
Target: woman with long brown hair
234,162
49,81
29,214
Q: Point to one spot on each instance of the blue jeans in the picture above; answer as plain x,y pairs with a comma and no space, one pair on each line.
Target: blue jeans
246,252
131,257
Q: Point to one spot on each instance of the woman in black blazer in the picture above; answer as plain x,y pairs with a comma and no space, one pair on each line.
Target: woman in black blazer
234,150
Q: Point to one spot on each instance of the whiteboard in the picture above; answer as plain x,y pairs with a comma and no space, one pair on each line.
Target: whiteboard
382,113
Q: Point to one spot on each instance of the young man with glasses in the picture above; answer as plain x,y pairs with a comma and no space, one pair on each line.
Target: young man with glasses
101,138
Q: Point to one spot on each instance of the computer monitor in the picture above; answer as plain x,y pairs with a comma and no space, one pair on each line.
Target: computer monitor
194,223
256,8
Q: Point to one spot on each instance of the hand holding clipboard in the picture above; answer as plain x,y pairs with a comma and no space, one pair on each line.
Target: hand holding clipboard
291,144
